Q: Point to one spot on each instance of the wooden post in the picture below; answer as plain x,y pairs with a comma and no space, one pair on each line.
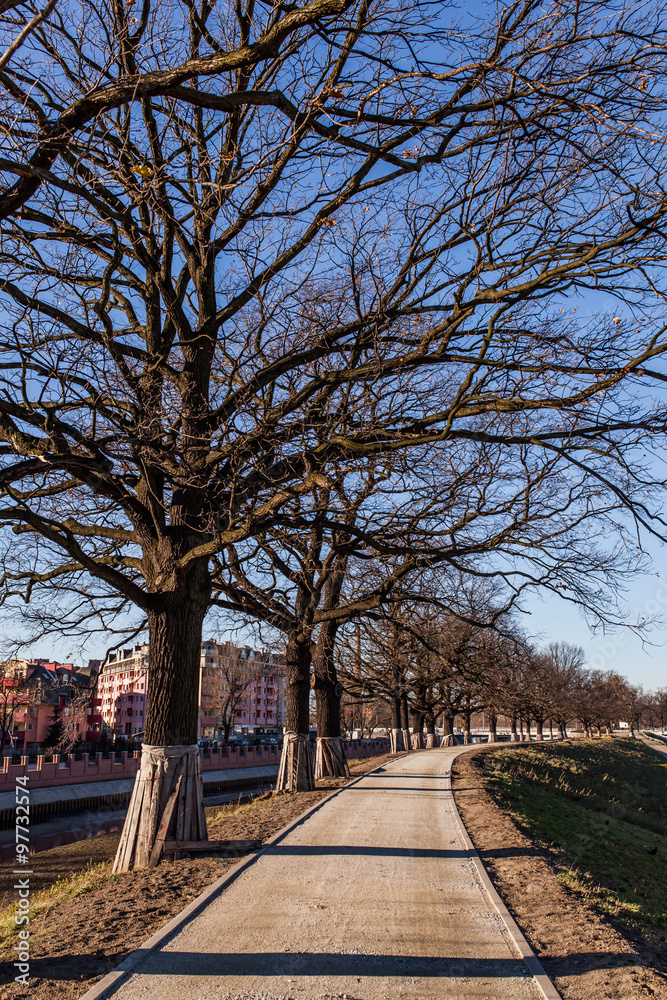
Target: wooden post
158,846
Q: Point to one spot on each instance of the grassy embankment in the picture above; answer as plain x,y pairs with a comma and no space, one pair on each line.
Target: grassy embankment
601,808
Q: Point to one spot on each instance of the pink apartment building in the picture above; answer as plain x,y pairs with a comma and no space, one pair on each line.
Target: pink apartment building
123,682
121,690
263,676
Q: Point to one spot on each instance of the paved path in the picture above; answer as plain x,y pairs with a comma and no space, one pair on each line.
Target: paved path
654,744
374,897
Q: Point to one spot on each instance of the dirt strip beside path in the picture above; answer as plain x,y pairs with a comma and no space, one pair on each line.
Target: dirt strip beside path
585,956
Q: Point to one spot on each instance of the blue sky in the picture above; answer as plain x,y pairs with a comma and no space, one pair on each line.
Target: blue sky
552,619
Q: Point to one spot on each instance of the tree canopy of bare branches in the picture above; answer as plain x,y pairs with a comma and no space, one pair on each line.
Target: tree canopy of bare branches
228,218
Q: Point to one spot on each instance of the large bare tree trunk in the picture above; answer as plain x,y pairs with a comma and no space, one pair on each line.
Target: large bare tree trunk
396,735
417,727
429,742
330,759
405,722
296,765
515,738
396,740
467,731
539,730
493,727
167,799
447,729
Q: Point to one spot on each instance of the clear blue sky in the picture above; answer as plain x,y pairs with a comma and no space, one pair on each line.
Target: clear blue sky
552,619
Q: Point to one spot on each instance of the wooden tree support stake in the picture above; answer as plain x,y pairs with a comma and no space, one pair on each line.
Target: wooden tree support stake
296,764
164,825
167,801
330,759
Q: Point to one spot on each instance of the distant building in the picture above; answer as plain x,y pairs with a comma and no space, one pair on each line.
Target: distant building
121,690
123,683
261,676
40,686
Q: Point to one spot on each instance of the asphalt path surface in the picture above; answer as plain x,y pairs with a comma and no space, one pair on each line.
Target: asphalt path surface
654,744
374,896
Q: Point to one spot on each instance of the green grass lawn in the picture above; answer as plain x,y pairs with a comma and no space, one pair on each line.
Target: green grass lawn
601,807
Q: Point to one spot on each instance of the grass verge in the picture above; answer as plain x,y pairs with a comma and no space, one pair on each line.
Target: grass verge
600,808
60,891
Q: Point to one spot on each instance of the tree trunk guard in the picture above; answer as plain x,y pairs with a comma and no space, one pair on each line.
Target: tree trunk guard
397,740
416,741
330,759
430,741
167,804
296,764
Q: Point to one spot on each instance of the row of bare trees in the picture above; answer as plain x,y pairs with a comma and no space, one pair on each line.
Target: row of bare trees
412,668
298,300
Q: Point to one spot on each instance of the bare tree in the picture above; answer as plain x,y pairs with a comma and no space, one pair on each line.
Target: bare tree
123,74
225,686
190,278
564,665
660,707
630,701
375,665
16,695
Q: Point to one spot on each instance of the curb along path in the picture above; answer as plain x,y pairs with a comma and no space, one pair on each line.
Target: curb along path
377,895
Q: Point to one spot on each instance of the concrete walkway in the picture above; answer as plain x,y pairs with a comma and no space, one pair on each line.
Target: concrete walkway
654,744
375,896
